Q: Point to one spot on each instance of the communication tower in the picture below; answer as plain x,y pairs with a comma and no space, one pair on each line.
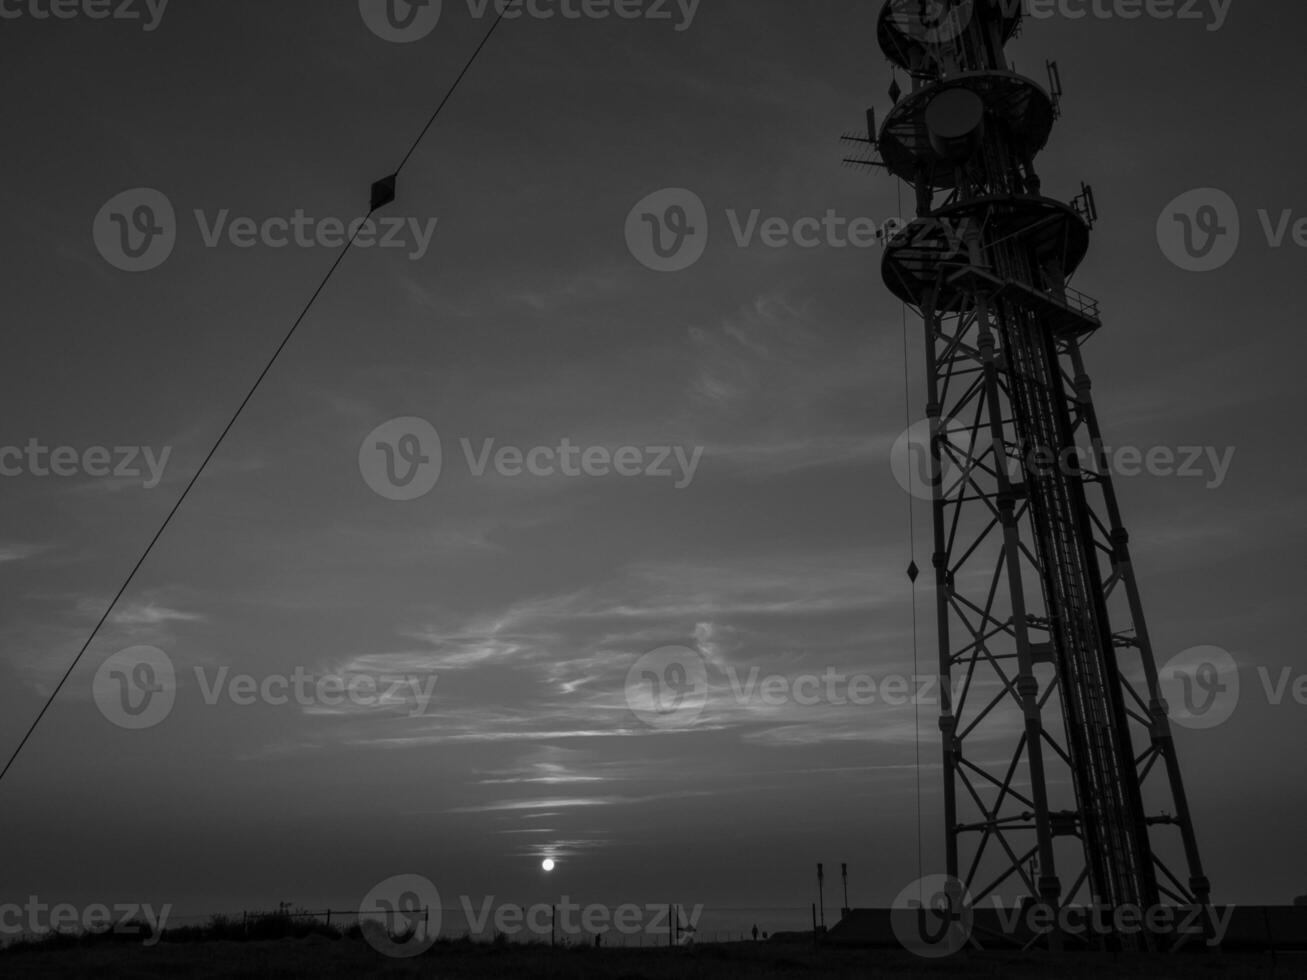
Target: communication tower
1061,781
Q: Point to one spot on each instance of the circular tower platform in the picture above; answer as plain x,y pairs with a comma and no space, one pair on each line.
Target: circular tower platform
910,31
930,253
1013,102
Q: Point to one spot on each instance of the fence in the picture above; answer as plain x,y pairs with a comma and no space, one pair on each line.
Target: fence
662,925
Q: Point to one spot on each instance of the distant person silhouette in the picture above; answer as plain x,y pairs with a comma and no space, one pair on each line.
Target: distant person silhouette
755,934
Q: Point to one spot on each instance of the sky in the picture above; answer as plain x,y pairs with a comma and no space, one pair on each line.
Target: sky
763,387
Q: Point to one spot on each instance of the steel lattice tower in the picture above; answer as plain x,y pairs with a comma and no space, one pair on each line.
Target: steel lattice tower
1061,782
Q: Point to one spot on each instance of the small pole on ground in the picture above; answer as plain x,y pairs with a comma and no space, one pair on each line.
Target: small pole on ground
821,892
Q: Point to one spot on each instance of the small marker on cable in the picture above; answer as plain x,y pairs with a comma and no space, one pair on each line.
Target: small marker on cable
383,191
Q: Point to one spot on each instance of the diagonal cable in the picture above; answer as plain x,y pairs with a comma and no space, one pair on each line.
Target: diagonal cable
240,409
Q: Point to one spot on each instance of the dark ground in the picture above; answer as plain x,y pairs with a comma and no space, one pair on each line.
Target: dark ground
321,957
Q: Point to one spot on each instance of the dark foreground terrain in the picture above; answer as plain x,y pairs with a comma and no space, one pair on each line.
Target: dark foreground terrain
321,957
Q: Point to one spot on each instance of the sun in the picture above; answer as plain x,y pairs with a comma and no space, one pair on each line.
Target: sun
547,864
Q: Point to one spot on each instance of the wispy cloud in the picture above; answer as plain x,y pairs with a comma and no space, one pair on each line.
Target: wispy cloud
12,551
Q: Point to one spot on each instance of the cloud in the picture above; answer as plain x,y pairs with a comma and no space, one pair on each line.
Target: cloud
570,803
11,551
146,613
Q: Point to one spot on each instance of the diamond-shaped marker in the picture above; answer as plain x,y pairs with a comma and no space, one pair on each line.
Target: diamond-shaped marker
383,191
913,572
895,91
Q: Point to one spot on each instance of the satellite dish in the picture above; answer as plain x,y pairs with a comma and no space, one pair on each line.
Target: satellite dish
955,121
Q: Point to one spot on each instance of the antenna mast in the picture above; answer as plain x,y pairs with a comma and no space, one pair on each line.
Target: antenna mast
1061,781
